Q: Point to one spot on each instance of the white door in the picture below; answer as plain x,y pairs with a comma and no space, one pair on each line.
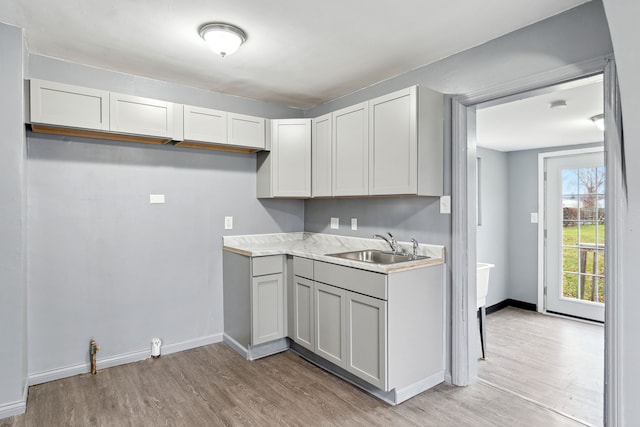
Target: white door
574,220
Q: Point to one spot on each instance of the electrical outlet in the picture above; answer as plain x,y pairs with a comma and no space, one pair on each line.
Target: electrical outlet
156,198
354,224
228,223
534,217
335,223
445,204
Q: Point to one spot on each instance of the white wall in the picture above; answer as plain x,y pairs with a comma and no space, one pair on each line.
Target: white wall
623,18
103,263
13,337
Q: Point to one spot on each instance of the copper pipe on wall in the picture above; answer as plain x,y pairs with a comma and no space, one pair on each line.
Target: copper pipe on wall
93,348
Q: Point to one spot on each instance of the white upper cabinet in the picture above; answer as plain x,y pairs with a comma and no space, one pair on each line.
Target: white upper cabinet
141,116
285,171
393,143
205,125
321,156
67,109
69,106
350,165
245,131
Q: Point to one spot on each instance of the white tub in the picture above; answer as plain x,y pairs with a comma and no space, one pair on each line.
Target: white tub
482,282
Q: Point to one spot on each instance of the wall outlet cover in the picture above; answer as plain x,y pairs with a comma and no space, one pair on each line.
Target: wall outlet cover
228,223
335,223
156,198
354,224
534,217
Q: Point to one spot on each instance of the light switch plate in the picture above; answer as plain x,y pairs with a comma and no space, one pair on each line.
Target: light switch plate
445,204
534,217
335,223
156,198
354,224
228,223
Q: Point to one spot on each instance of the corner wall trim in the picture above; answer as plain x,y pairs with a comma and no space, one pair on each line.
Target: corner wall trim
120,359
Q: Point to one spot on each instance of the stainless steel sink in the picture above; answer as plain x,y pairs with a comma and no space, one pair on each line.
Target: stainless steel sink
377,257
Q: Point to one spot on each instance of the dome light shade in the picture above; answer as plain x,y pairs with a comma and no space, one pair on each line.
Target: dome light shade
223,39
598,120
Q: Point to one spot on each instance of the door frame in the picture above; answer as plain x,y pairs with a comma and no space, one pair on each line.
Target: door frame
463,253
541,306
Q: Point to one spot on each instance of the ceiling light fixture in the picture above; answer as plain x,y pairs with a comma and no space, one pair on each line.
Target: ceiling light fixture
223,39
598,120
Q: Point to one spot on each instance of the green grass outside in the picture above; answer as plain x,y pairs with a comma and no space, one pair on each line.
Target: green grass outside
570,261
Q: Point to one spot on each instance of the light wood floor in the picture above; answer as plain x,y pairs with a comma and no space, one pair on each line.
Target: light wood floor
213,386
555,361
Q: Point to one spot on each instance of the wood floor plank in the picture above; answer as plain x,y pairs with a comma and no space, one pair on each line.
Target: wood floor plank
213,386
556,361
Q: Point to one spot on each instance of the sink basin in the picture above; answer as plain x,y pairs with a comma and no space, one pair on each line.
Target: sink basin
377,257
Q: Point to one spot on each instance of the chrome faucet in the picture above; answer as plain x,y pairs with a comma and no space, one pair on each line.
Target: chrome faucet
393,243
415,247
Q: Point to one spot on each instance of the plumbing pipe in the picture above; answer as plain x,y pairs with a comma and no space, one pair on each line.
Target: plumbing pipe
93,348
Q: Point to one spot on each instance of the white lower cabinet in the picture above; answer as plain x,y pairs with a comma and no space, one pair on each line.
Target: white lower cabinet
267,301
303,319
330,325
254,304
366,335
392,338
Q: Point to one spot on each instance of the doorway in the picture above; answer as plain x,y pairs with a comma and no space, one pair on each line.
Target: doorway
574,230
463,257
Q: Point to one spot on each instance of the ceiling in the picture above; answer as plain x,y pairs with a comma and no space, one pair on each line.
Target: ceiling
298,53
529,121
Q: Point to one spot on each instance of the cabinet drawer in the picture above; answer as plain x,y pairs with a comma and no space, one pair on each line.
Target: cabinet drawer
303,267
266,265
352,279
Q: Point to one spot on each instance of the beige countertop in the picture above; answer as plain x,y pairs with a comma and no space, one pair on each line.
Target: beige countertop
316,246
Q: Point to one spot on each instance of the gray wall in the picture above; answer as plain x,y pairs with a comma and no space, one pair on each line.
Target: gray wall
406,217
623,21
102,262
13,336
493,233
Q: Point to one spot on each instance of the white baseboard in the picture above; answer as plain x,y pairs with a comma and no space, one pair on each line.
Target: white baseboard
13,408
236,346
120,359
418,387
189,344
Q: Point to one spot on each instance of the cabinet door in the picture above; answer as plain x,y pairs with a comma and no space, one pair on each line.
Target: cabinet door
205,125
267,308
393,143
303,330
141,116
67,105
291,155
351,151
330,338
321,144
366,333
245,131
